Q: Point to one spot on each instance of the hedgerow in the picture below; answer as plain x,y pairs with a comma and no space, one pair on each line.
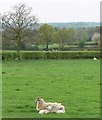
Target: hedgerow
51,55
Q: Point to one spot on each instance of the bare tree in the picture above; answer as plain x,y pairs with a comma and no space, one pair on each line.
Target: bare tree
17,22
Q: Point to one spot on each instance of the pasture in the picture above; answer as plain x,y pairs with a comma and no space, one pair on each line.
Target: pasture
74,83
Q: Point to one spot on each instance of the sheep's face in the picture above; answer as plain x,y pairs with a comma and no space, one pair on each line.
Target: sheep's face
39,102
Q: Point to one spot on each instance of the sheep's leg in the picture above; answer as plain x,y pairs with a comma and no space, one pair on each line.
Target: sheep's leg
43,111
60,111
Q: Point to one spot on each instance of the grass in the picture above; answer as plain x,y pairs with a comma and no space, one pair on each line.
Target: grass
74,83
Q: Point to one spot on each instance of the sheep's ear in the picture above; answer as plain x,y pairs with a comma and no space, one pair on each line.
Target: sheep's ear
38,98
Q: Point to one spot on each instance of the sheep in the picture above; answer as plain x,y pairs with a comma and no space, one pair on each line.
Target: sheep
48,107
94,58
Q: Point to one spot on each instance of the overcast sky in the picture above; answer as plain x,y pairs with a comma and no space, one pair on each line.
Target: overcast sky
59,10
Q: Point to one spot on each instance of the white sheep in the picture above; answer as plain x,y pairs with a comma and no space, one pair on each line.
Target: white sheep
94,58
47,107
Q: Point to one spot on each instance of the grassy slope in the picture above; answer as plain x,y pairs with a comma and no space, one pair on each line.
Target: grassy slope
74,83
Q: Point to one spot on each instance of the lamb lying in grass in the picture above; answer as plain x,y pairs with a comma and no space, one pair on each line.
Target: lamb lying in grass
48,107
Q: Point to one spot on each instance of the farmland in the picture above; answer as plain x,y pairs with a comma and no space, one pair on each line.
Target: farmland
74,83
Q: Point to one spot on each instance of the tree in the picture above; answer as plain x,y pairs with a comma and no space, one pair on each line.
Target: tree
64,36
32,41
16,23
46,34
81,35
96,38
81,44
84,36
61,37
71,36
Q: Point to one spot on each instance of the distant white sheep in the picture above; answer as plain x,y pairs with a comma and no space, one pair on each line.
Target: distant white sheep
47,107
94,58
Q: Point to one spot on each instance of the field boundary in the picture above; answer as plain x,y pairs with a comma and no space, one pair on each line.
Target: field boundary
12,55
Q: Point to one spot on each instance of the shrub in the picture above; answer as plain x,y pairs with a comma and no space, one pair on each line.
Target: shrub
9,55
32,55
81,44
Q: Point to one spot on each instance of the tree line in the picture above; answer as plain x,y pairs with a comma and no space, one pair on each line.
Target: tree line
21,31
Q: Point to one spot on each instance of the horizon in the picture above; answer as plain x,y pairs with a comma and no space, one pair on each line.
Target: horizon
72,22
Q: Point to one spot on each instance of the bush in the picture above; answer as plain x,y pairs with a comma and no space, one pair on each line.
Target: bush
9,55
32,55
81,44
51,55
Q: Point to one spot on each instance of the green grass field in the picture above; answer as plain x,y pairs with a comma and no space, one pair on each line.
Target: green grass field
74,83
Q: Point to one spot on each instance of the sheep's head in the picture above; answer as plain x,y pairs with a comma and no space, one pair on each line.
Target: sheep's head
39,102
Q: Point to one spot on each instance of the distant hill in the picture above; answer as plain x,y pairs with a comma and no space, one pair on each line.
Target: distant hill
75,24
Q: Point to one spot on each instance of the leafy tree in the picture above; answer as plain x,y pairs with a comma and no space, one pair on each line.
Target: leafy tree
81,35
84,36
64,36
32,41
16,23
46,34
61,37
